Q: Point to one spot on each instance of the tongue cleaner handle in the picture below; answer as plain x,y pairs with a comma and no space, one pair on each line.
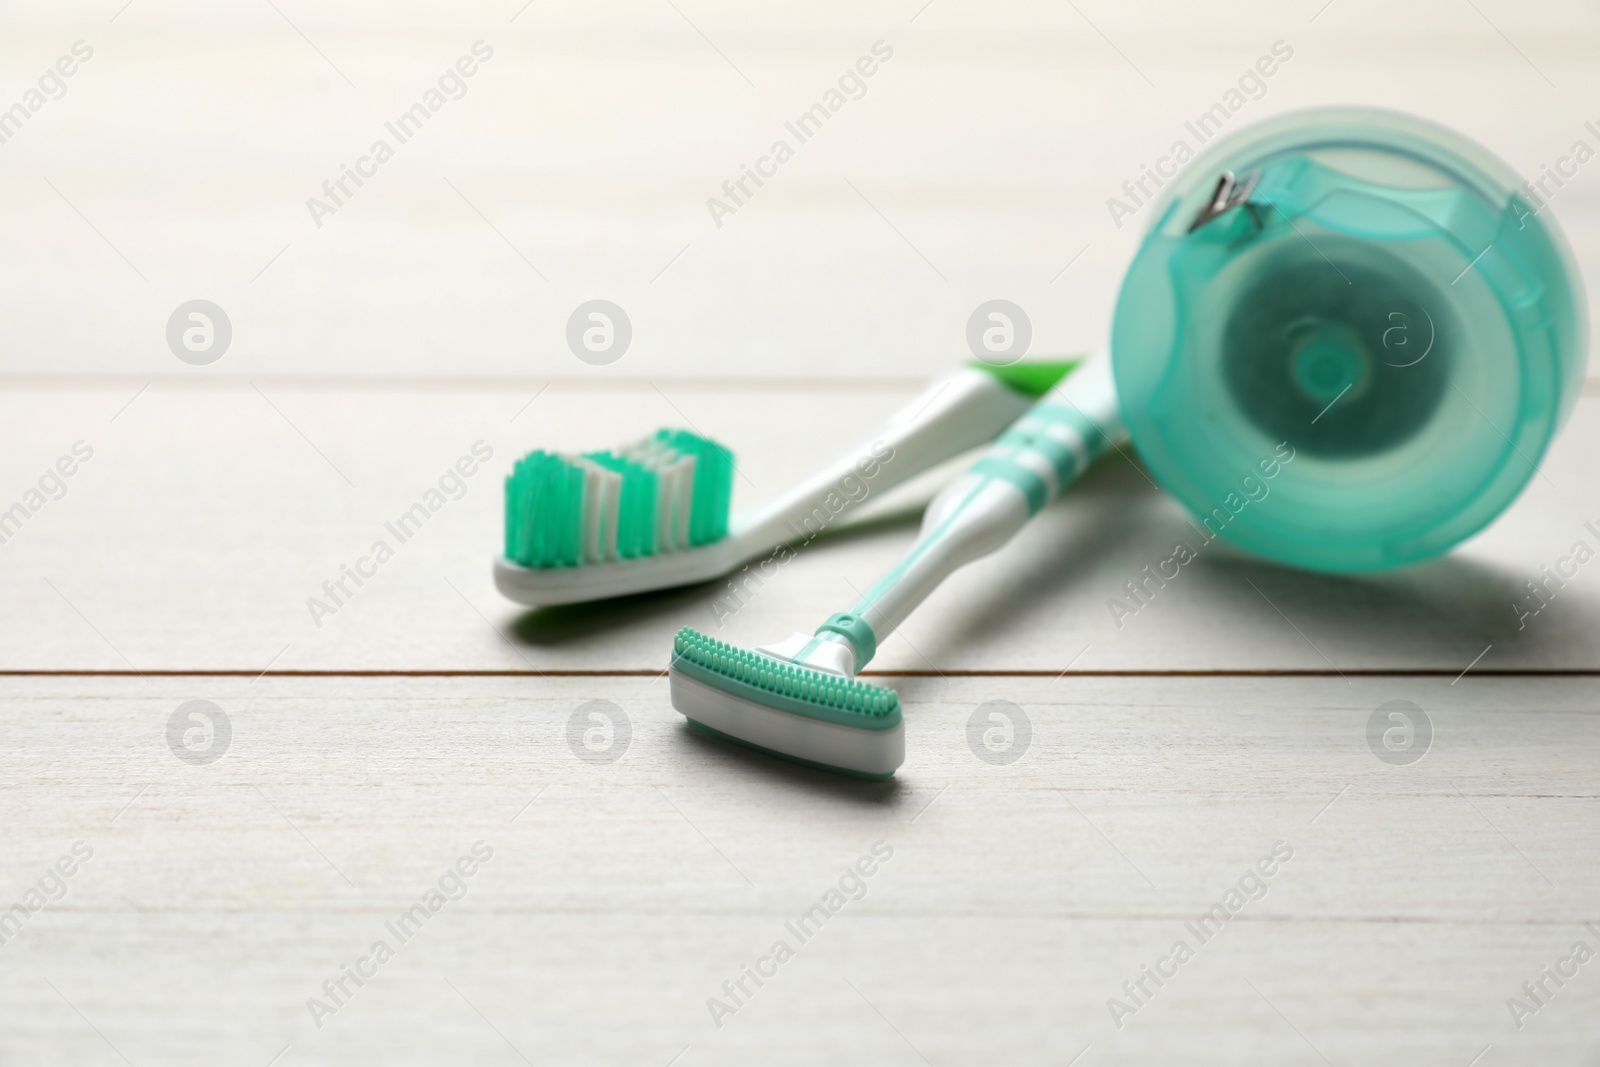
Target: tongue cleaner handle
1043,452
957,413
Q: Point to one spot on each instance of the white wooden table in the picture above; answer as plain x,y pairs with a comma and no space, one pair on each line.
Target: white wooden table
222,876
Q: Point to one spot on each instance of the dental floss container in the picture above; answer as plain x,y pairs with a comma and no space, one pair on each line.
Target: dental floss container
1367,292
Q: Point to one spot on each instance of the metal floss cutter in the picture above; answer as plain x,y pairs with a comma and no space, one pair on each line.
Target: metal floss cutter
1376,292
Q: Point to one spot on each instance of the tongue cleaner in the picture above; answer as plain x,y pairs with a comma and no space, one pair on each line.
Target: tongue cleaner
798,697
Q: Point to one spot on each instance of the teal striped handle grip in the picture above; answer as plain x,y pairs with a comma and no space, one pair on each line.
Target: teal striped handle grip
1042,453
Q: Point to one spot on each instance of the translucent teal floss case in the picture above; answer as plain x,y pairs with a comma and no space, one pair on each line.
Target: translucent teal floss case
1371,294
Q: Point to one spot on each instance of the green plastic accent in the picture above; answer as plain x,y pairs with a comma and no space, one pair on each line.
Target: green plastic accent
855,630
1062,457
1063,460
864,775
1076,421
713,483
775,683
636,507
1024,478
1362,364
545,499
1033,377
1030,434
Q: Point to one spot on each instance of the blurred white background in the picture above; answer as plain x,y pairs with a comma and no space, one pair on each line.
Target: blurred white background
578,165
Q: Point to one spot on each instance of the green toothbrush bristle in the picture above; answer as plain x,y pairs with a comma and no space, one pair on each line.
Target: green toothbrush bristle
713,483
789,686
636,515
544,503
668,492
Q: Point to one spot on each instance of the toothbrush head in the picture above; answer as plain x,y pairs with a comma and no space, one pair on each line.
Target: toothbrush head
810,716
582,526
655,515
665,493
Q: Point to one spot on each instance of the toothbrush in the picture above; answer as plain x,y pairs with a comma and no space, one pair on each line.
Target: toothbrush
654,515
798,698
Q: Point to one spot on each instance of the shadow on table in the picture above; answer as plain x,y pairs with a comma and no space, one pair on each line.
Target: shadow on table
551,627
1419,615
763,767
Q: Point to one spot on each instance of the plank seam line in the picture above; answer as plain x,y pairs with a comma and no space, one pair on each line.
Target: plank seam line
1383,672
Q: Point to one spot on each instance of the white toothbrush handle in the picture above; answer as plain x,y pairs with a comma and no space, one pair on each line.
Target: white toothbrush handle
955,414
1046,450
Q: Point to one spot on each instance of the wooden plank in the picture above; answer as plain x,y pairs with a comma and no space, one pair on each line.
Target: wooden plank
1018,899
622,895
210,515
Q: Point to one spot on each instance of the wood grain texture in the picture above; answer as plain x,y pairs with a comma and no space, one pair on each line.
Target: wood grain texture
374,350
210,515
621,895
